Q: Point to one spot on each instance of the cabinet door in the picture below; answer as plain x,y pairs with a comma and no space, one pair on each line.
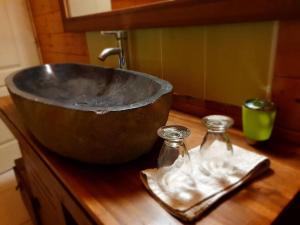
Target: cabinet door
56,205
47,205
23,185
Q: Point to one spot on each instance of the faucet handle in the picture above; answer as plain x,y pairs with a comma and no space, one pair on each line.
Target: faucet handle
119,34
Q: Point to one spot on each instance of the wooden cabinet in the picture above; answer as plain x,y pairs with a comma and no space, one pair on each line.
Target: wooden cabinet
45,198
59,191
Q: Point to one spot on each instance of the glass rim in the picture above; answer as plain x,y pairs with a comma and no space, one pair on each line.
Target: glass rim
173,132
217,123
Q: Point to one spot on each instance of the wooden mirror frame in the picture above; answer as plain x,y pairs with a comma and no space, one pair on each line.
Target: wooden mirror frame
183,13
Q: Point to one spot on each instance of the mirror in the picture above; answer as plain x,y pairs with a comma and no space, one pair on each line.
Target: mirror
77,8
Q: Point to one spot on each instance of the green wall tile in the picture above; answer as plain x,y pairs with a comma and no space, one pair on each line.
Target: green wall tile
225,63
96,43
145,51
238,60
182,59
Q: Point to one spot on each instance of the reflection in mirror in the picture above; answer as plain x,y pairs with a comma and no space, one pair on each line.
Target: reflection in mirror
81,8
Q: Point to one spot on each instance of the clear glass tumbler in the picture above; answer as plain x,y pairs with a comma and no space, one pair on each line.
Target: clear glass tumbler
174,168
216,149
173,152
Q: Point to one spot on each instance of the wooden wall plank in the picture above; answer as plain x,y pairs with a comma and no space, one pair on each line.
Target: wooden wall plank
286,94
53,57
286,82
41,7
56,45
288,49
48,23
64,43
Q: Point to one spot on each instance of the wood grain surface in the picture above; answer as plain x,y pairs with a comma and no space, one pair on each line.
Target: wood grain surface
122,4
115,194
56,45
185,13
286,81
288,49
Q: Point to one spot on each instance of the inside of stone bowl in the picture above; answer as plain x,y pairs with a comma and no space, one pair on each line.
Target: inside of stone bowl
86,86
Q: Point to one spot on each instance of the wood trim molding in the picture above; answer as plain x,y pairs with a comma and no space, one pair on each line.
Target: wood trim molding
287,135
184,12
201,108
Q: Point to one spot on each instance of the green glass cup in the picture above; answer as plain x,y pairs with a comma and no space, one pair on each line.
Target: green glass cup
258,117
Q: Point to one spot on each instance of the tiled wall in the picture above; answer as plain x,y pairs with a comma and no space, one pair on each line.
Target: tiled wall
224,63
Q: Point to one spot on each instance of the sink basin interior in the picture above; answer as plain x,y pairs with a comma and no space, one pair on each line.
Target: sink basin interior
92,88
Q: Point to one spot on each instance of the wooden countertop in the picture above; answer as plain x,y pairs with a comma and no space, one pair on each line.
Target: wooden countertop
115,195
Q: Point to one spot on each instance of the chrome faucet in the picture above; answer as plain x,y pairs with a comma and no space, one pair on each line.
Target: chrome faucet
121,50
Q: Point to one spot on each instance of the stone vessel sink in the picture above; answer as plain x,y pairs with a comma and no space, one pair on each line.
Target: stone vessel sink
89,113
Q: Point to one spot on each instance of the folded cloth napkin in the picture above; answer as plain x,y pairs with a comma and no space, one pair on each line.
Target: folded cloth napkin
188,191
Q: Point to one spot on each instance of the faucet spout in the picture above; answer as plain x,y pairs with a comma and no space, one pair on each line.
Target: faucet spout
108,52
121,50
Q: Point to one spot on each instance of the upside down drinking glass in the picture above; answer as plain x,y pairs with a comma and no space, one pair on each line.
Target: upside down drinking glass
174,168
173,152
215,152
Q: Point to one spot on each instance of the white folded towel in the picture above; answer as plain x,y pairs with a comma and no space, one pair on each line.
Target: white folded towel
187,192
